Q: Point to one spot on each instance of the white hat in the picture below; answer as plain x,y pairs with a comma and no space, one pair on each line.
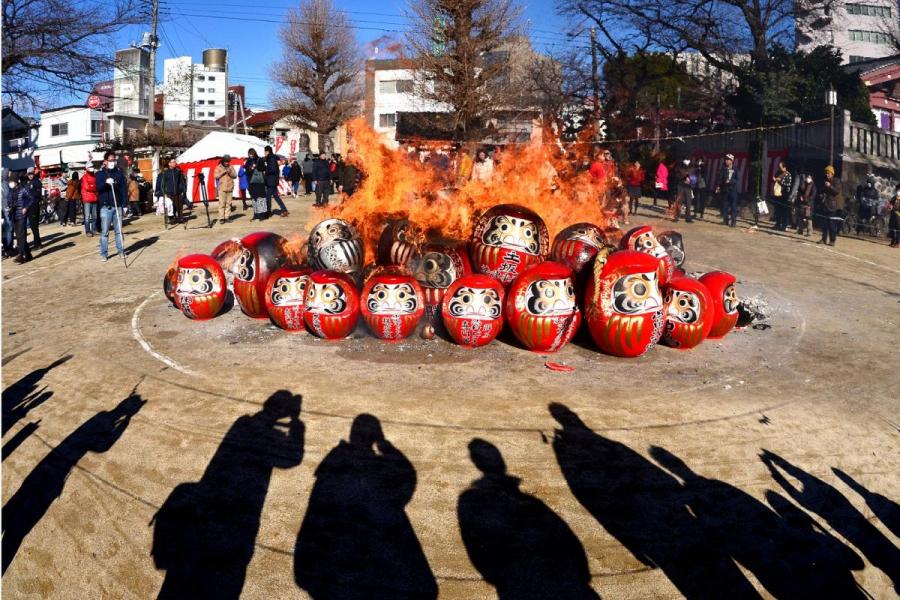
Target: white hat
686,161
729,157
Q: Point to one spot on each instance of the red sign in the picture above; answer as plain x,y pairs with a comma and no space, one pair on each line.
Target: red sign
94,101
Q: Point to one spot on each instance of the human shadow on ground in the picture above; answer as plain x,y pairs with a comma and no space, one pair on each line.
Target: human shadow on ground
517,543
887,511
695,529
55,248
817,496
356,540
20,436
142,243
23,395
46,482
204,533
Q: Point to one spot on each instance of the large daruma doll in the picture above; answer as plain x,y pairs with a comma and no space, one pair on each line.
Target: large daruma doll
200,287
688,313
642,239
335,245
261,253
507,240
286,297
724,302
332,305
540,307
436,268
472,310
576,245
624,309
392,304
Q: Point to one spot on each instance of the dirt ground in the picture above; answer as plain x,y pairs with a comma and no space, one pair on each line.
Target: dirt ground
145,453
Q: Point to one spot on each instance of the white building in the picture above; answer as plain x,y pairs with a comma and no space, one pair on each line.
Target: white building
389,90
133,89
69,135
196,92
860,29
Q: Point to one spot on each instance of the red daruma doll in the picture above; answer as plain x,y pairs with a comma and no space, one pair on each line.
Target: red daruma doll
472,310
261,253
540,307
286,297
724,302
688,313
624,309
332,305
576,245
506,240
392,304
200,287
642,239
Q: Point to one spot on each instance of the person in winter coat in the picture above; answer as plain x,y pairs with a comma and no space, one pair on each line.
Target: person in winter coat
295,176
483,169
134,196
684,195
349,178
224,176
464,165
661,185
832,196
255,169
73,195
89,200
8,225
634,179
894,220
727,185
867,199
306,170
781,189
19,205
34,214
112,189
322,177
171,187
272,172
806,196
701,190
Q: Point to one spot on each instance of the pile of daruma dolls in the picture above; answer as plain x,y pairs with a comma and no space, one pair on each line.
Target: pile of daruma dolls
628,287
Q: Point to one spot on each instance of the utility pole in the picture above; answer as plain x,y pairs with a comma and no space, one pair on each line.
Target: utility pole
831,101
191,96
595,82
656,125
153,44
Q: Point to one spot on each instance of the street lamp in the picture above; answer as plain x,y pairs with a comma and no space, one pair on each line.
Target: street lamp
831,101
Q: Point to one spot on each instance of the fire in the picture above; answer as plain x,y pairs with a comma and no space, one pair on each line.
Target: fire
398,185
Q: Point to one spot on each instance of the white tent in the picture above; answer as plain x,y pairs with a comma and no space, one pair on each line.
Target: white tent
218,143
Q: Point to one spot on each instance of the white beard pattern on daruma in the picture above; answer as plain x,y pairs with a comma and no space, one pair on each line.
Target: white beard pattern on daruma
335,245
729,299
512,232
289,290
392,298
325,298
549,297
246,267
194,281
475,303
683,307
435,270
637,294
647,243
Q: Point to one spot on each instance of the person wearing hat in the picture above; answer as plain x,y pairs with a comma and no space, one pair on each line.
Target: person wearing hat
832,207
727,185
225,176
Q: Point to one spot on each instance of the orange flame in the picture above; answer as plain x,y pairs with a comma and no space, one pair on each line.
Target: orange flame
397,185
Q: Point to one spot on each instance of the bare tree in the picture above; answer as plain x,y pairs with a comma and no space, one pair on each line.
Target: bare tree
320,69
462,51
54,46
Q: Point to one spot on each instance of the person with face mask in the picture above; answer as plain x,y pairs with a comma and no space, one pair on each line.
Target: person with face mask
171,187
112,192
89,200
894,220
34,215
728,185
806,195
867,198
21,199
272,172
832,199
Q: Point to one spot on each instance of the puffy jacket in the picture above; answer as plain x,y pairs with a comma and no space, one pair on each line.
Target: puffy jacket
321,170
169,183
73,190
89,188
105,197
20,198
662,177
272,170
833,196
134,192
225,177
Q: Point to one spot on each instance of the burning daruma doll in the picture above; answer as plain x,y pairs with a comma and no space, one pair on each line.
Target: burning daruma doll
472,310
508,239
642,239
688,313
438,267
540,307
392,304
286,297
332,305
724,302
261,253
335,245
624,309
576,245
200,287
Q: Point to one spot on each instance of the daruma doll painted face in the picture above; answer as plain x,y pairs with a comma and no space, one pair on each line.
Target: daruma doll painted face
436,268
286,297
261,253
472,310
200,287
576,245
508,239
335,245
642,239
332,305
541,309
624,309
392,304
724,302
688,313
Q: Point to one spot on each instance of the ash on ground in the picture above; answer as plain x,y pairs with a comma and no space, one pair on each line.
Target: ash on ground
754,311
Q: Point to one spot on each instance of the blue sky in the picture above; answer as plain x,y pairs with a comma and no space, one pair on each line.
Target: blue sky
249,32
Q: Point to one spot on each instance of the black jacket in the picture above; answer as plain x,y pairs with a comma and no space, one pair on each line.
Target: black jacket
19,198
105,191
272,171
321,171
723,184
170,182
296,173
